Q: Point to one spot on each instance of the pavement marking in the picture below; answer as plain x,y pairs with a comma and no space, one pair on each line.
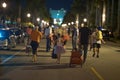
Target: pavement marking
96,73
7,59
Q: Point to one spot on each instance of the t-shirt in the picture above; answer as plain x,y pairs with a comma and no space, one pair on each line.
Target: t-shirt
36,36
99,35
84,33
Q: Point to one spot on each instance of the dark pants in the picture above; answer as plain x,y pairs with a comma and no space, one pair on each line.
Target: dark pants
48,44
34,45
84,47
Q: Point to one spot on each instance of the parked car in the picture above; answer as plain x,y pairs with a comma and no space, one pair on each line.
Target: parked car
7,39
107,34
19,34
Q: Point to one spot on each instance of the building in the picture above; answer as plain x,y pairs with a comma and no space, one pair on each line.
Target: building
57,15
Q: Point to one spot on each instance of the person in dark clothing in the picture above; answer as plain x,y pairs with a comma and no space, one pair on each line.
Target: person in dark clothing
74,37
84,33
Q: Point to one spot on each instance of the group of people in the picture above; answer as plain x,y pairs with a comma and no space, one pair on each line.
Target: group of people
57,39
96,39
84,36
81,37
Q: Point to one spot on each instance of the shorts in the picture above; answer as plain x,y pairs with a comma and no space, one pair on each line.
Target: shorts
34,45
96,45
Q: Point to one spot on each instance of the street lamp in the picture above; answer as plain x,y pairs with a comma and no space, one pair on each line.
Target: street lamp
4,5
85,20
38,19
28,15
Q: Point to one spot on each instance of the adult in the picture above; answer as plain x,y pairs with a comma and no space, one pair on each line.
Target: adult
84,33
98,39
35,37
74,37
48,32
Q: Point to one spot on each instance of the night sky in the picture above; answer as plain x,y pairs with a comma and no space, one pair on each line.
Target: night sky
58,4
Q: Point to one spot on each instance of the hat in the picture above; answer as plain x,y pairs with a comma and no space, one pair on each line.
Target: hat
99,28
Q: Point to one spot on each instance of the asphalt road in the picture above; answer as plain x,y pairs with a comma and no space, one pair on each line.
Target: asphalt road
17,65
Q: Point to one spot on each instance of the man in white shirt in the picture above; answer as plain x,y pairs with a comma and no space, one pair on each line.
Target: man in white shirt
48,32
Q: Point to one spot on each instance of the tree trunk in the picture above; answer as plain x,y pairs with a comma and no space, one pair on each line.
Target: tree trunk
118,18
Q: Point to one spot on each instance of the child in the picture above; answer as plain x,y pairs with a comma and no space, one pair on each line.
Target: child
59,49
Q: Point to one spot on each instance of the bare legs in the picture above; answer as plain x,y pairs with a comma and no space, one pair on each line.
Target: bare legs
96,51
58,58
34,58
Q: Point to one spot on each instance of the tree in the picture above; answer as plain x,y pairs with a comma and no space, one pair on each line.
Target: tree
78,7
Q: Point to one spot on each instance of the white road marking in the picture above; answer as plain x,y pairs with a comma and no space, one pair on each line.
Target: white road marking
7,59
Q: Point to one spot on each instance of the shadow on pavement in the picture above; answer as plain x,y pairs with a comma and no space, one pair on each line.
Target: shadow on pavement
39,66
118,50
49,66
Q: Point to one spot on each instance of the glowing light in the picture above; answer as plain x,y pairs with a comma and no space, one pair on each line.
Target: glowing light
38,19
64,25
68,23
82,25
0,35
85,20
72,23
77,22
28,15
4,5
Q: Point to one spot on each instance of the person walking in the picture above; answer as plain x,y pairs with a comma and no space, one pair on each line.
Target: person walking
74,37
97,39
59,49
48,32
35,37
84,33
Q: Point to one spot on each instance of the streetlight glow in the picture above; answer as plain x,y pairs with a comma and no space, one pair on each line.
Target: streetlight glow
38,19
85,20
4,5
28,15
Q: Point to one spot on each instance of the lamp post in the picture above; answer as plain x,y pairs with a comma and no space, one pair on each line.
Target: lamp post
4,5
85,20
28,15
38,20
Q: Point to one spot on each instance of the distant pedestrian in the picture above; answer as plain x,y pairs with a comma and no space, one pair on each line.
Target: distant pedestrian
74,37
59,49
35,40
97,40
84,33
48,32
69,31
65,38
91,39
